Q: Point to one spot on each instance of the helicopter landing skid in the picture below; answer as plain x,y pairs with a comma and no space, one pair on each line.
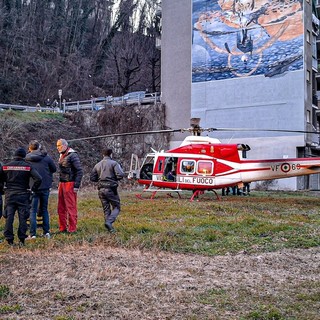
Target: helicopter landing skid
196,194
154,192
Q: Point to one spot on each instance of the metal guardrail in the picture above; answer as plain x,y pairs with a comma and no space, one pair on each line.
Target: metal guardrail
27,108
92,104
102,102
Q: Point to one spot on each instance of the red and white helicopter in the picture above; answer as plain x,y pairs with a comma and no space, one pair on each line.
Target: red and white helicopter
205,164
202,164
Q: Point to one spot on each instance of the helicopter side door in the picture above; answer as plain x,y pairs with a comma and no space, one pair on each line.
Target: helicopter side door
170,169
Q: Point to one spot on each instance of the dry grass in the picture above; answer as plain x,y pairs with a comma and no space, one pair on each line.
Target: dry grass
111,283
78,277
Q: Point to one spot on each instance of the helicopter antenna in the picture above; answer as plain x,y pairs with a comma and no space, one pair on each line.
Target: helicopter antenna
230,139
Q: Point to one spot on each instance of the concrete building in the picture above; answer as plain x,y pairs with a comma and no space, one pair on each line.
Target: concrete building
245,64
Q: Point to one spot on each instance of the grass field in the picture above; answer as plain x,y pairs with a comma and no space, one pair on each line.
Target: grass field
244,257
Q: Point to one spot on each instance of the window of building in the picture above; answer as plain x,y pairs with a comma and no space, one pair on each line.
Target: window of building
314,118
308,36
308,116
205,167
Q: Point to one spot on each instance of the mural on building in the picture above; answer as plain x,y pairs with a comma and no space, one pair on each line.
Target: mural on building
241,38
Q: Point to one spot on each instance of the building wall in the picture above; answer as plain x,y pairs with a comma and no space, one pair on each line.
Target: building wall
262,87
176,64
252,102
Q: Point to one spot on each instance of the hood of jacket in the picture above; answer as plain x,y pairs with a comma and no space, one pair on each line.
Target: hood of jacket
66,152
35,156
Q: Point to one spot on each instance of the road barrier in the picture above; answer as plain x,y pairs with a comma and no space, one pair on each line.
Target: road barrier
92,104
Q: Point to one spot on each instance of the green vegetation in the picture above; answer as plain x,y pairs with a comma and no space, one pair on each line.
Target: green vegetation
265,306
4,291
252,224
30,116
262,222
9,308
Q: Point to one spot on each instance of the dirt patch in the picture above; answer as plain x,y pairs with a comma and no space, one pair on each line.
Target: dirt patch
109,283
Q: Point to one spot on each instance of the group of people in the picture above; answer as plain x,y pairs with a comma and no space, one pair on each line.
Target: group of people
26,182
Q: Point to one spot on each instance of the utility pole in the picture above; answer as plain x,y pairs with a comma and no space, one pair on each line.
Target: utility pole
60,96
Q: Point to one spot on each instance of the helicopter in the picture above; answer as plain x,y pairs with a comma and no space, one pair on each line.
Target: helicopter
202,163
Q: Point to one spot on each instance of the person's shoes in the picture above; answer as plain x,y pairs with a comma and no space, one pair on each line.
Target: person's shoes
10,242
110,228
30,237
47,235
21,243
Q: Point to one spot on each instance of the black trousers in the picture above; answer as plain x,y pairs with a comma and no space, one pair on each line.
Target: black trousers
110,201
16,203
0,205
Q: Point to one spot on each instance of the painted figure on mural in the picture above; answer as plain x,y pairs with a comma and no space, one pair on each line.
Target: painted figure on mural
238,38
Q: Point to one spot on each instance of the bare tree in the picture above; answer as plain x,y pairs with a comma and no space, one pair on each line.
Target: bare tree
83,47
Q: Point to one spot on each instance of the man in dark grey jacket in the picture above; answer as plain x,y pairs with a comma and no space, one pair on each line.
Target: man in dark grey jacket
107,173
46,167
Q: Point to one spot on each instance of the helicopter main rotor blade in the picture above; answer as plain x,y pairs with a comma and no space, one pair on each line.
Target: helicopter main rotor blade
193,130
258,130
126,134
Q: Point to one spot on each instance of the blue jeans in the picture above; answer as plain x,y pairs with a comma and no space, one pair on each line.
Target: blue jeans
39,203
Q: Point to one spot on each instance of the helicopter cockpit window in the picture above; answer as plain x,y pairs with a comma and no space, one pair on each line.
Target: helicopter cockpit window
147,169
205,167
188,166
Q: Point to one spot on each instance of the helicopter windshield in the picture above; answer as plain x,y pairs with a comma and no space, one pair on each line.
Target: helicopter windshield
147,168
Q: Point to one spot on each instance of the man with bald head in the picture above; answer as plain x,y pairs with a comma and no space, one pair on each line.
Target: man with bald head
70,176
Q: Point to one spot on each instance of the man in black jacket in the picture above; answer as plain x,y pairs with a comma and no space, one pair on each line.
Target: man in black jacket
44,164
15,177
107,173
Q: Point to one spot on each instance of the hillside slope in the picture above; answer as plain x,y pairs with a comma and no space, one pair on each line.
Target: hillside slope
18,128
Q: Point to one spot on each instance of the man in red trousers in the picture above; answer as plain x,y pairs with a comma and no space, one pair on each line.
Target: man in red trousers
70,176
